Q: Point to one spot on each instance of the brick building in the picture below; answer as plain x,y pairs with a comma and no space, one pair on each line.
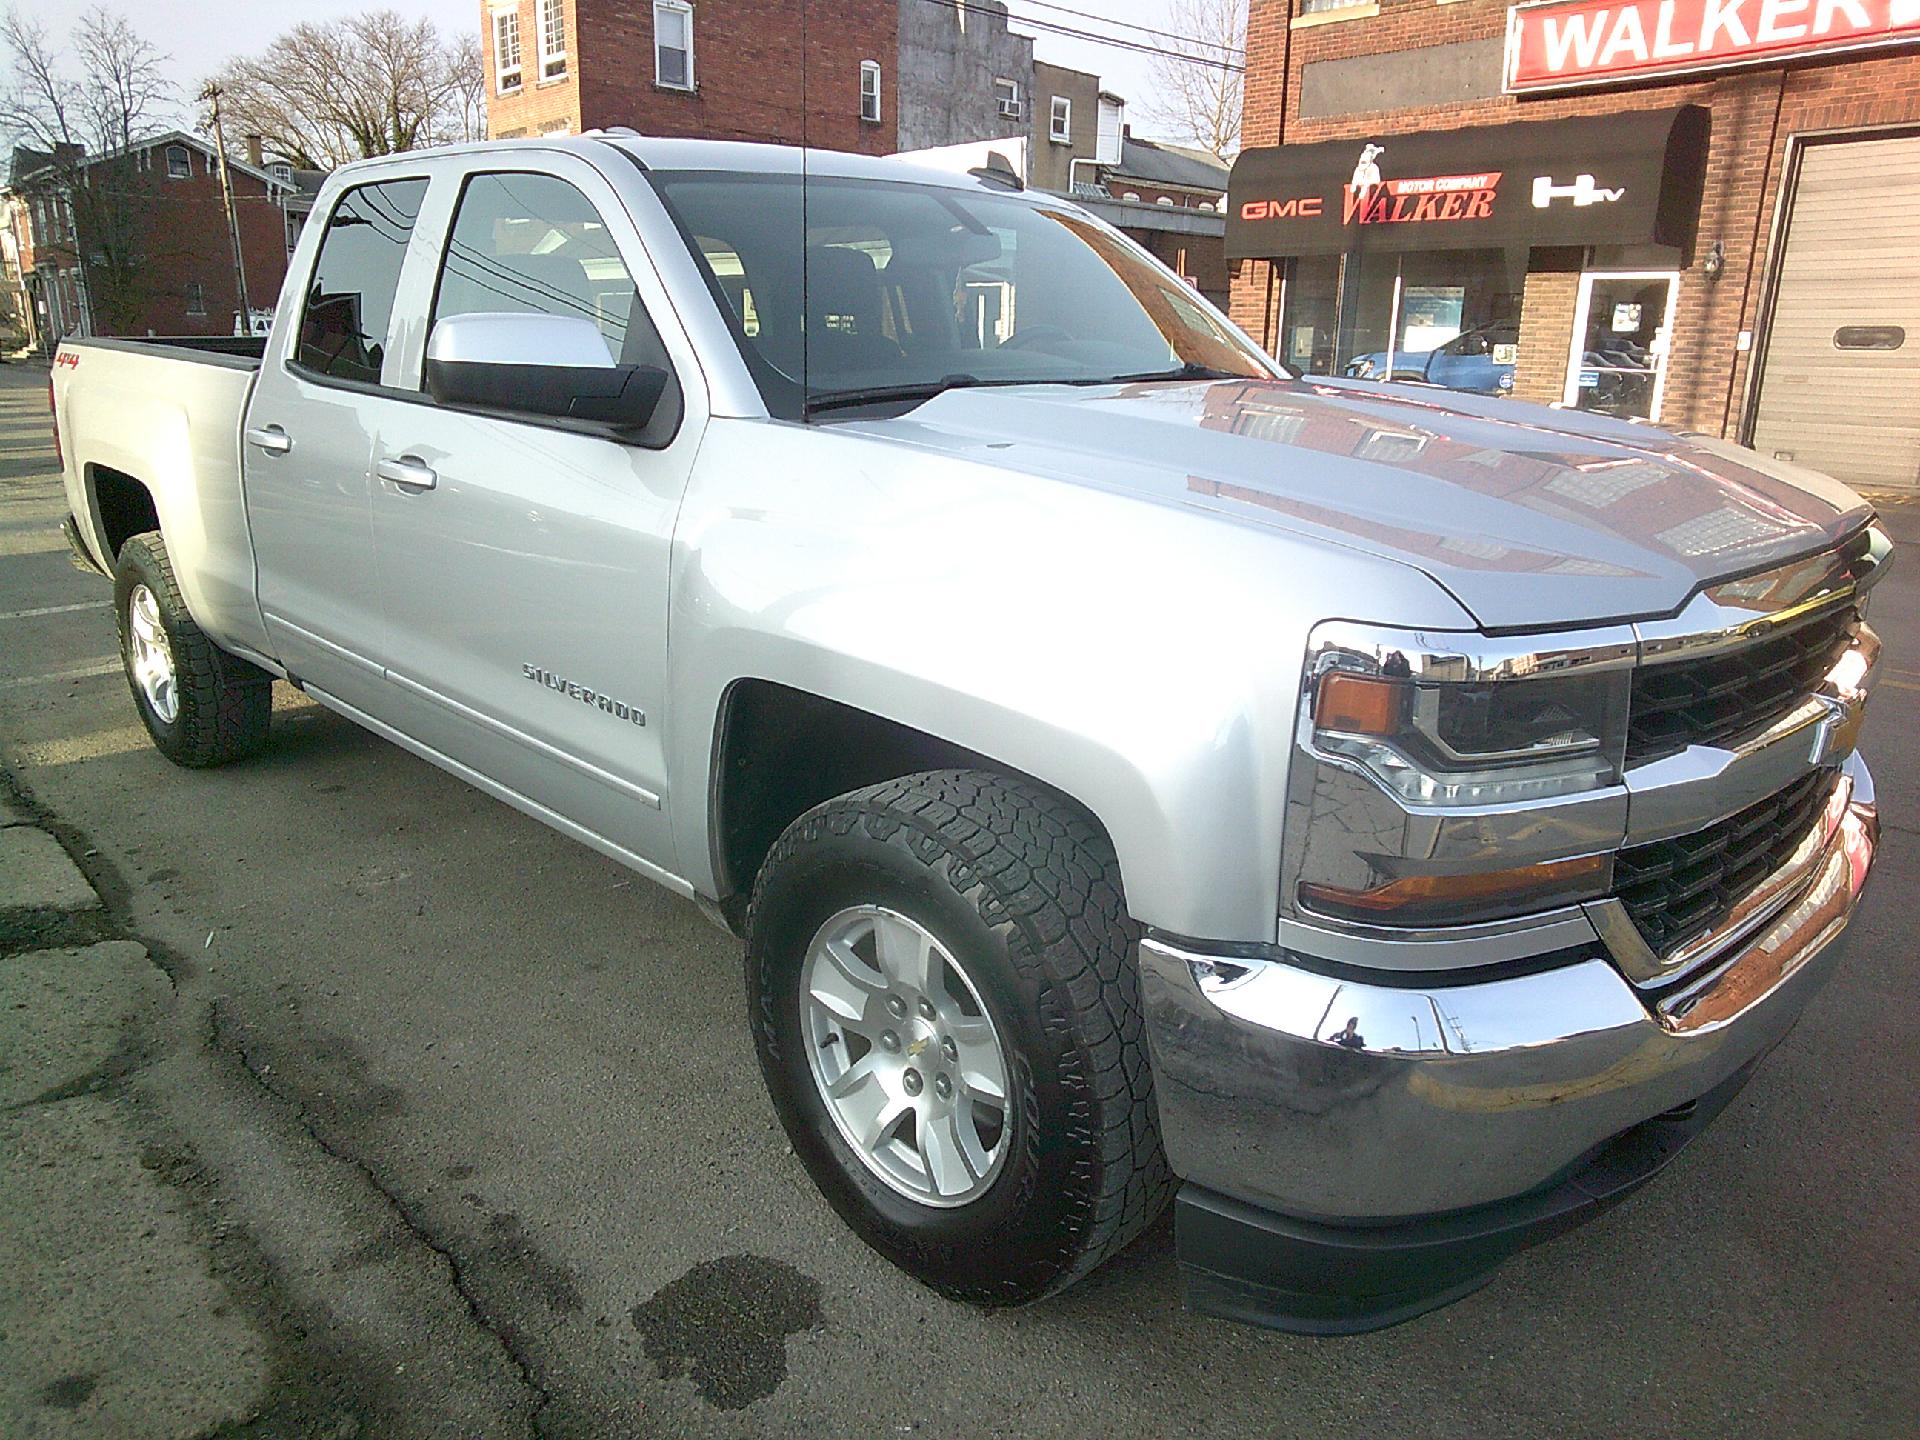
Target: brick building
164,195
1707,214
874,71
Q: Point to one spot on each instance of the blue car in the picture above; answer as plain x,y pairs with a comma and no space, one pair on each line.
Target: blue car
1465,362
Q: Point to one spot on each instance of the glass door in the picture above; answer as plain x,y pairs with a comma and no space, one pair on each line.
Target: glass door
1622,331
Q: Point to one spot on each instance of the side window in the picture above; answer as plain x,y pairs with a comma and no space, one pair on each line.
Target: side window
349,307
527,244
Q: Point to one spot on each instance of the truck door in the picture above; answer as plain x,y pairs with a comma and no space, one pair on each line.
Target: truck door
307,449
524,561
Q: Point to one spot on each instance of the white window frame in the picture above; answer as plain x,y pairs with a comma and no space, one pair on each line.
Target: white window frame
506,27
186,158
1060,120
870,90
1663,338
553,61
1006,104
684,16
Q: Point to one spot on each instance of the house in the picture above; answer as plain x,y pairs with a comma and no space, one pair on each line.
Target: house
880,76
1172,199
136,241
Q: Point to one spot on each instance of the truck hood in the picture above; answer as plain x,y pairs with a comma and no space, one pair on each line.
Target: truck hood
1529,516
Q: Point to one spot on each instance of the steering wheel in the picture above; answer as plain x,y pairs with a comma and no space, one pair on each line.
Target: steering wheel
1023,338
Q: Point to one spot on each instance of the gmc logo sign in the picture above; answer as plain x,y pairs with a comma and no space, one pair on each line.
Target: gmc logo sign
1306,207
1554,44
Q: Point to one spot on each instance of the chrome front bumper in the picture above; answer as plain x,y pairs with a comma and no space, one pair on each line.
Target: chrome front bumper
1299,1087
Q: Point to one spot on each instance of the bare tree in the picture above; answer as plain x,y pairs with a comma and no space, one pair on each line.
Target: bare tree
84,119
467,110
372,84
1197,94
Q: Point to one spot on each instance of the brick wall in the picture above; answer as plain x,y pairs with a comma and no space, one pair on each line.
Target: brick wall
1754,114
186,243
746,68
1548,306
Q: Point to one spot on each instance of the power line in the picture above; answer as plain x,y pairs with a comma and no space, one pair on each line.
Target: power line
1054,27
1129,25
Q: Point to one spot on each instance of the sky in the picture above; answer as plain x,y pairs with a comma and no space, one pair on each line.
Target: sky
200,34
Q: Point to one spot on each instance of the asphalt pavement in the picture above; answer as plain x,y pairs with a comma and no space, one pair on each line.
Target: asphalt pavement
339,1100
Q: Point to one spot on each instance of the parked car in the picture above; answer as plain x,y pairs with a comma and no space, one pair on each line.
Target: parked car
1480,361
1388,824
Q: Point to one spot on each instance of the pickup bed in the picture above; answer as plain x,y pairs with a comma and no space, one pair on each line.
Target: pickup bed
1389,823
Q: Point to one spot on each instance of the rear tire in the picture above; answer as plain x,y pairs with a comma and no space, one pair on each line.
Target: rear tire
202,706
1018,895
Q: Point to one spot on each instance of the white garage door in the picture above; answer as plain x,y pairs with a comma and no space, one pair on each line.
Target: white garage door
1841,386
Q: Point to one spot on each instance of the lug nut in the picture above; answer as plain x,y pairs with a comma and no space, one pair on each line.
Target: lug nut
949,1049
943,1087
896,1007
926,1009
889,1040
912,1081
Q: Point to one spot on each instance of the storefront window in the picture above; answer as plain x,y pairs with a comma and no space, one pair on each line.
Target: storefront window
1443,317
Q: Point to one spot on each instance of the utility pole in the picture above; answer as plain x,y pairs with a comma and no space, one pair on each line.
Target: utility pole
212,95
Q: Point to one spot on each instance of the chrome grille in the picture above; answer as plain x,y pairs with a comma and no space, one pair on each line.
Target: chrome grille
1675,890
1716,698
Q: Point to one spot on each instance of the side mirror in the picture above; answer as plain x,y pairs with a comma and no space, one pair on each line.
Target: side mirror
553,365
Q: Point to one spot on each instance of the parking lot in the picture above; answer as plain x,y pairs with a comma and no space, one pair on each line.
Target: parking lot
428,1121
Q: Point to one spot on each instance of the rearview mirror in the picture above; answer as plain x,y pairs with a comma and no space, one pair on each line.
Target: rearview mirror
554,365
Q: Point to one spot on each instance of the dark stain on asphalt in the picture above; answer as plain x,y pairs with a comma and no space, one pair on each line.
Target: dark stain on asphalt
69,1392
725,1324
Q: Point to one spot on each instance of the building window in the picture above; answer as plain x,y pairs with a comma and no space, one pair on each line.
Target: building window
196,298
870,90
553,39
144,161
673,44
1315,7
179,163
506,51
1060,127
1006,97
281,170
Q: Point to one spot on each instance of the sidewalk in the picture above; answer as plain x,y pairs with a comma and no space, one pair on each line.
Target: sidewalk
113,1321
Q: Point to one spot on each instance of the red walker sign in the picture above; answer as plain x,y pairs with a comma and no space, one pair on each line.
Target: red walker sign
1555,44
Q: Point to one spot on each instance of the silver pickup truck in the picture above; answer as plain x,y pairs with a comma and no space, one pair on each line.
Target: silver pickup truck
1388,823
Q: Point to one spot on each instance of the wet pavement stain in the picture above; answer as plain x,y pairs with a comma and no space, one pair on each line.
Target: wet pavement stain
725,1324
69,1392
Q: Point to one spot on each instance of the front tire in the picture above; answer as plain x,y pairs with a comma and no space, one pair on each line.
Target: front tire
202,706
942,987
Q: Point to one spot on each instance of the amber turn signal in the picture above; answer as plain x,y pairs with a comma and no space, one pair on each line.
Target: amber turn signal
1423,892
1359,704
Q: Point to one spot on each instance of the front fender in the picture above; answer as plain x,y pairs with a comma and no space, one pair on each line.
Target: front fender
1142,658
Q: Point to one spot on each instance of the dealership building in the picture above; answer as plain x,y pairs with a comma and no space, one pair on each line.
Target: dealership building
1700,212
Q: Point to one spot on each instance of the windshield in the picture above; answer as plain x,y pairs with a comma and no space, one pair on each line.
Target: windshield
899,290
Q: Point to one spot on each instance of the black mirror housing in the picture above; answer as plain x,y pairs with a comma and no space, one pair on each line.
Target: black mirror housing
623,396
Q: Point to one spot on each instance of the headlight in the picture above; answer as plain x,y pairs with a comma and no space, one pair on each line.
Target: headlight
1476,743
1412,735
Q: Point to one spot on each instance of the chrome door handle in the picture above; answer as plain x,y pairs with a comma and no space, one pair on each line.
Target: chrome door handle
409,472
270,438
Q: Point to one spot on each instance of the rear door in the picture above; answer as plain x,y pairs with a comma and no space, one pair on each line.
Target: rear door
526,589
307,448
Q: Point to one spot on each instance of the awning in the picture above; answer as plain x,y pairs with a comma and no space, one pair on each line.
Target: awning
1627,179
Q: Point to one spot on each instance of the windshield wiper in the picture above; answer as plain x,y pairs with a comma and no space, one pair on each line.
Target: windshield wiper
880,394
1191,370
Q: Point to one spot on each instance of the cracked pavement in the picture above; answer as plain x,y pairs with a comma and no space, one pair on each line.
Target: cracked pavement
362,1105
